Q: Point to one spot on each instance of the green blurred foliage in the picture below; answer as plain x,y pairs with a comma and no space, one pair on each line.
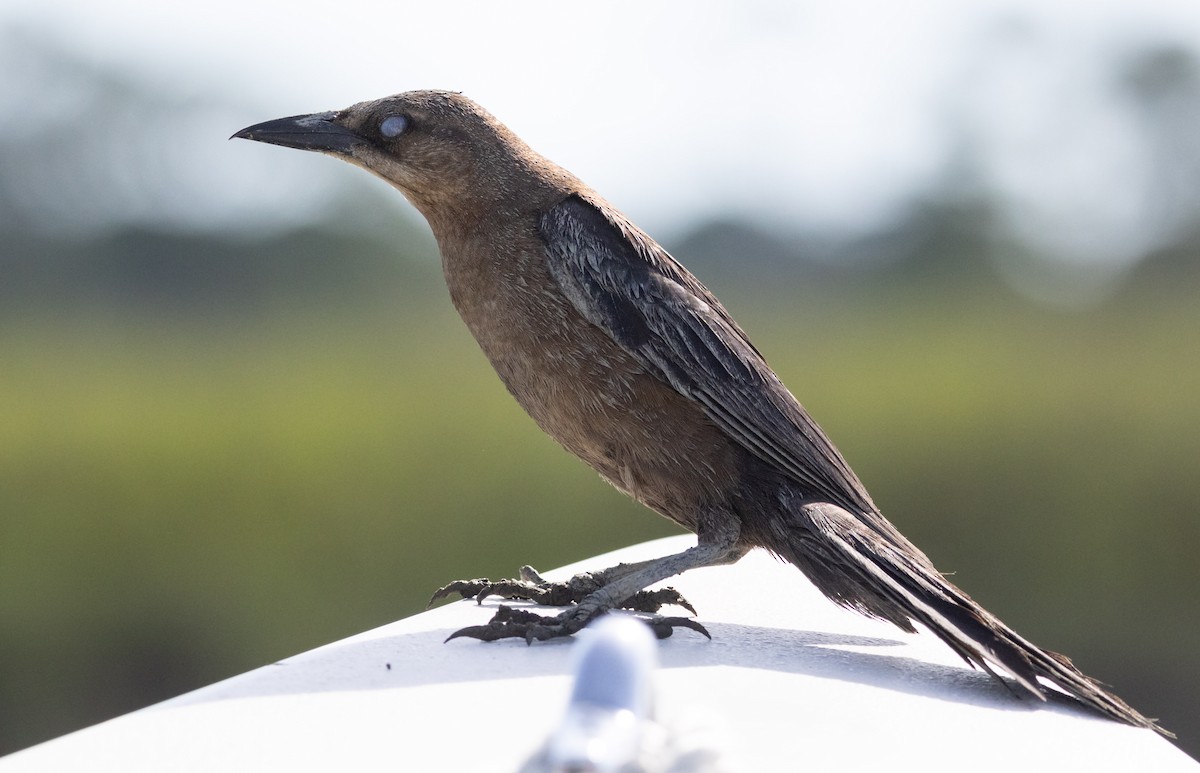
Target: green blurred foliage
190,494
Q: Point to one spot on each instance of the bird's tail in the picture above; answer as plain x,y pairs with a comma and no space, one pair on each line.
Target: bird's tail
879,573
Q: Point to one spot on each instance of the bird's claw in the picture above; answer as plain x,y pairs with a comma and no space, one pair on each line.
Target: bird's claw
465,588
654,600
531,587
663,627
511,623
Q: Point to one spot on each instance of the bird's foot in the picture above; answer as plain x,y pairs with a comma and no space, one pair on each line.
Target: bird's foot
531,586
512,623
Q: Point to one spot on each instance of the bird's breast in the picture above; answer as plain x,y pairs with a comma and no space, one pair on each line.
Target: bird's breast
581,388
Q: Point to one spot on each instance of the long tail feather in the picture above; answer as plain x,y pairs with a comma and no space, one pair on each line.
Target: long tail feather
853,565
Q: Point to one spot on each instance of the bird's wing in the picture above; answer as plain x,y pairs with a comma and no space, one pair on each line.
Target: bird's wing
626,284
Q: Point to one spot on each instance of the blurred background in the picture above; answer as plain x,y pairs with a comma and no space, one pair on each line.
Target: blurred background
239,418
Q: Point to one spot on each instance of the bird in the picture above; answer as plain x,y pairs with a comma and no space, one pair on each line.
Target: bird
622,356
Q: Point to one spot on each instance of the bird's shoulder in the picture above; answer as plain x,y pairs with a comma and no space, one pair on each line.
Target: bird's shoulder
591,239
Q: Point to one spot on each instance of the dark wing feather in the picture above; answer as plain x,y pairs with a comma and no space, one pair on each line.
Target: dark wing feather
622,281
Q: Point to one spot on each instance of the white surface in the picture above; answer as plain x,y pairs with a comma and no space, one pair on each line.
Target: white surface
789,682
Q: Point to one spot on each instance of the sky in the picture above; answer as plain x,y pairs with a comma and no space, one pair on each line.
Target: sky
832,117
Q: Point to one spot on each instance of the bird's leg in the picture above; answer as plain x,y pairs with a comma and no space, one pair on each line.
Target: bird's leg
531,586
619,585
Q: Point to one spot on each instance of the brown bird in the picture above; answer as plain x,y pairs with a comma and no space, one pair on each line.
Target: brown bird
621,355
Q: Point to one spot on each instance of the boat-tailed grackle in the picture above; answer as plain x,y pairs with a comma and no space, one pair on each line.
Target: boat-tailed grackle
621,355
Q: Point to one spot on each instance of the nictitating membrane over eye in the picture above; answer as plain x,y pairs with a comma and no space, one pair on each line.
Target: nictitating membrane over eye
393,126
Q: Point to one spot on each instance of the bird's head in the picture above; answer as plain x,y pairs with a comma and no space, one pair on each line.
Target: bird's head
440,149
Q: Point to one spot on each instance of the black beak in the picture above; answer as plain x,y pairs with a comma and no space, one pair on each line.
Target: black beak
306,132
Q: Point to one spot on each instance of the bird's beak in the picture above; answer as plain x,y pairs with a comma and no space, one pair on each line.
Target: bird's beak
307,132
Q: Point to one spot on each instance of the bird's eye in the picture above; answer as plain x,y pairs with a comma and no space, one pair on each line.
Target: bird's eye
393,126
